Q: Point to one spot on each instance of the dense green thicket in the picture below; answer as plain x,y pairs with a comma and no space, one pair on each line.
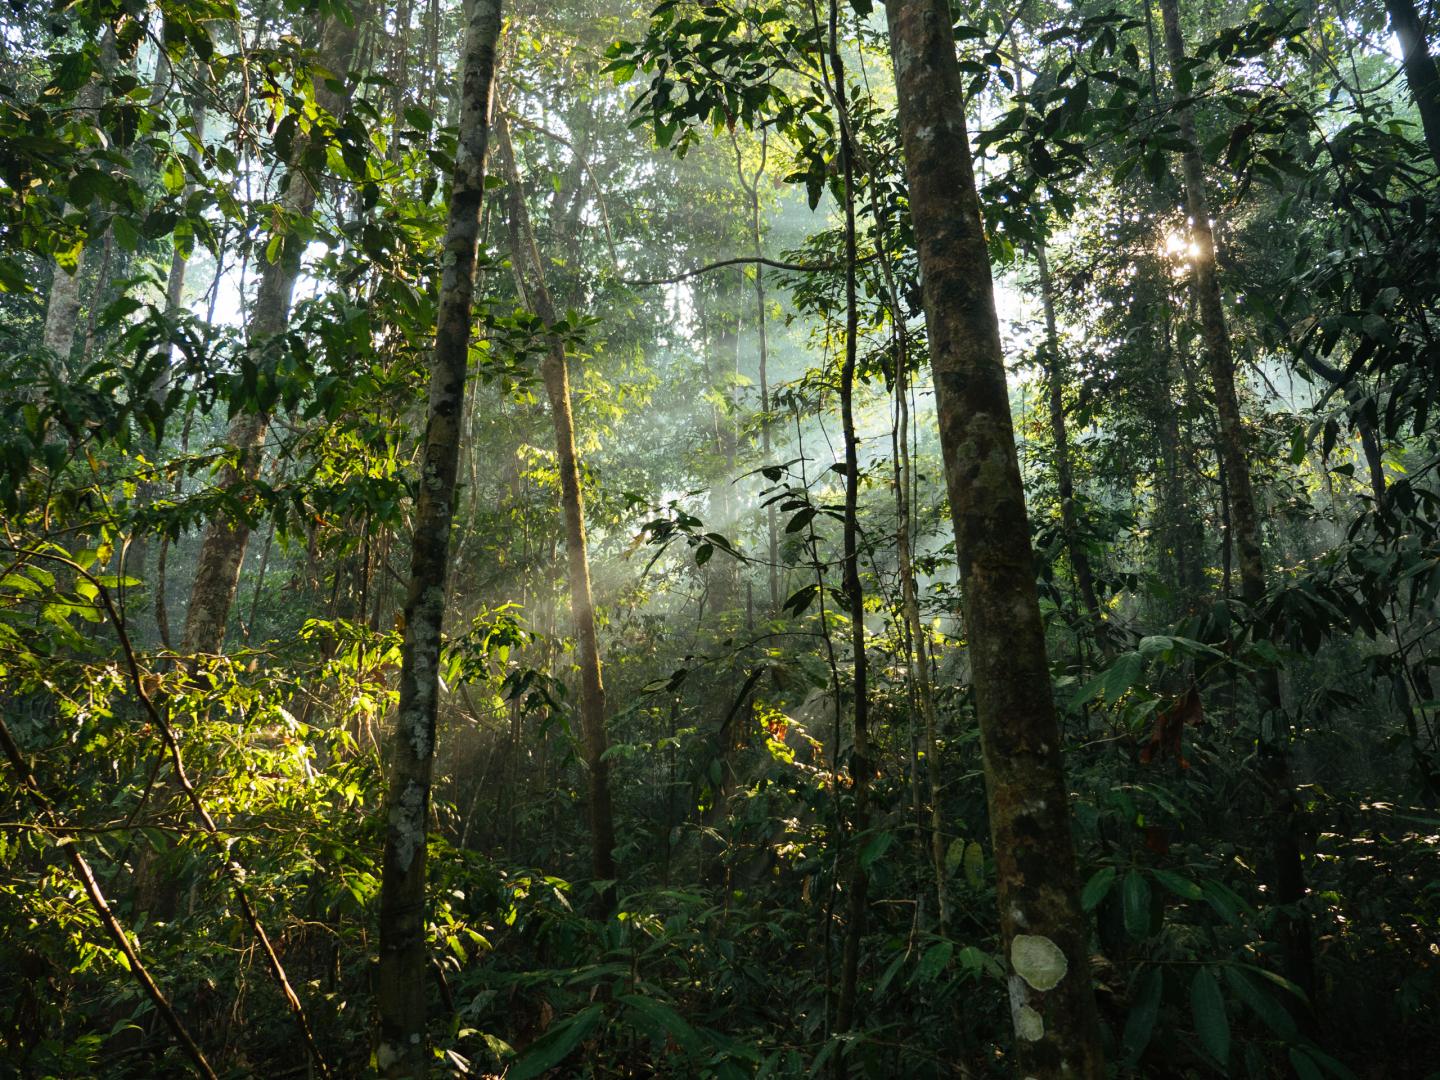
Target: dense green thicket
221,230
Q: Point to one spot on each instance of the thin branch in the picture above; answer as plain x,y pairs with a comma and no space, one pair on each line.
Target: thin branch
102,908
744,260
233,870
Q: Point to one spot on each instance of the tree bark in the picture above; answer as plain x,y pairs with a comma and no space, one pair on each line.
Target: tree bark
1064,477
62,309
918,654
554,370
1043,930
1179,525
403,1049
222,551
1285,831
137,552
752,190
1420,70
861,765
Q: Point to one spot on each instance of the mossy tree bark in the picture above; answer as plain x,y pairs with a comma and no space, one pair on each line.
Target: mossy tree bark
403,1049
1042,927
1285,831
555,372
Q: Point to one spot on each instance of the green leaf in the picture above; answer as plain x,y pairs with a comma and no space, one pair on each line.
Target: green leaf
889,975
1178,885
1261,1003
1097,888
974,865
663,1020
1208,1007
934,961
556,1044
874,848
954,855
1136,896
1141,1022
1305,1066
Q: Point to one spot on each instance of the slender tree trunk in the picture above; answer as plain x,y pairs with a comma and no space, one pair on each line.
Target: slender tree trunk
861,764
1055,370
554,370
1178,524
222,551
1234,459
918,654
136,555
62,310
1420,71
1043,930
403,977
752,189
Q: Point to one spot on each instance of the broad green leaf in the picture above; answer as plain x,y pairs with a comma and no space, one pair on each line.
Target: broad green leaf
1135,893
874,848
1097,888
556,1044
934,961
974,865
1304,1064
1178,885
664,1020
1141,1022
1208,1007
1261,1003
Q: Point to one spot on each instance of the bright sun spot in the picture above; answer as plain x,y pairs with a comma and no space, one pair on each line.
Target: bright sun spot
1180,246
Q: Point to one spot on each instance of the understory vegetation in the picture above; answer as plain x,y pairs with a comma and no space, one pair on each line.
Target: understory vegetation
722,539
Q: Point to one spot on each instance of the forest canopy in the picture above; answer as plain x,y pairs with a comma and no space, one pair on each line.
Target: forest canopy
720,539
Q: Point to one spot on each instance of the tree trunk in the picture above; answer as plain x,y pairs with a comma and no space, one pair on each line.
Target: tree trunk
1055,372
917,656
1274,765
752,189
1180,528
403,1049
861,765
1420,70
554,369
222,551
1043,930
136,554
62,309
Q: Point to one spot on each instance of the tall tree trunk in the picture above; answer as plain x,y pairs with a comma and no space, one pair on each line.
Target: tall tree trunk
1043,930
62,309
1179,525
138,550
403,1049
752,189
222,551
1274,764
861,765
1420,70
1064,478
554,370
918,654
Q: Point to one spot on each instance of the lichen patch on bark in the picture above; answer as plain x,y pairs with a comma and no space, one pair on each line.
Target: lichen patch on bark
1038,960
